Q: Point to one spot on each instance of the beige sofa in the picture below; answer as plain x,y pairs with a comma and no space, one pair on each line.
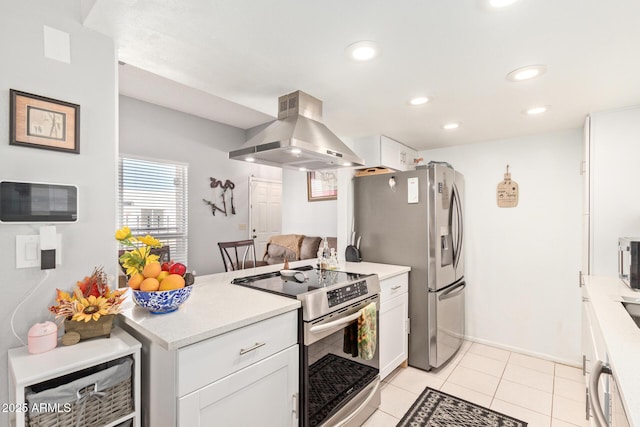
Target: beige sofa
294,247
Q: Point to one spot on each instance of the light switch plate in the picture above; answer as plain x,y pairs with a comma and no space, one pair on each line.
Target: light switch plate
28,250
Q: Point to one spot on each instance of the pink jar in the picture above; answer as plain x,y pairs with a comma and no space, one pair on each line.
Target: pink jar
42,337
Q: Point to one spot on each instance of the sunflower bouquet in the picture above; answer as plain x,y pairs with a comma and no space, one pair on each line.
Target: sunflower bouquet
91,298
134,260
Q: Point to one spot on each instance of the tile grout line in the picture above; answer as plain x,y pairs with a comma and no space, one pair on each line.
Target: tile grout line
501,378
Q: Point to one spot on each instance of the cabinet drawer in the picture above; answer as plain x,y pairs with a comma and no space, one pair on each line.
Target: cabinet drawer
394,286
207,361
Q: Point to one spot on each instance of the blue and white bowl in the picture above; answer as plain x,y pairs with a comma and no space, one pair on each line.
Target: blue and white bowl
160,302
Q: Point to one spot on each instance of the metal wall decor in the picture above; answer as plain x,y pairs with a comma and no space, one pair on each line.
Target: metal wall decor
227,185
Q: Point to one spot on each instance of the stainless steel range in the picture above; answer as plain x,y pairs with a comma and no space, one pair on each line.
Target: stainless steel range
339,381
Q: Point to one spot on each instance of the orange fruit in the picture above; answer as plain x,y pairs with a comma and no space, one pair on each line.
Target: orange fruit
172,281
162,275
152,269
135,280
149,284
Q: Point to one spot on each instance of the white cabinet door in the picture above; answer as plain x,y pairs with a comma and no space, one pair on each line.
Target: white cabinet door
391,153
394,314
386,152
263,394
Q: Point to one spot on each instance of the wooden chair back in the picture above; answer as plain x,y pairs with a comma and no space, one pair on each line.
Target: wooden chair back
239,255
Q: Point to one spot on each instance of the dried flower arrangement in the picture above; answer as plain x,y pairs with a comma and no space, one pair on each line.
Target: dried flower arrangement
91,298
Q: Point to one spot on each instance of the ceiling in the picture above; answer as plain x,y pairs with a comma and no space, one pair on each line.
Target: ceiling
230,60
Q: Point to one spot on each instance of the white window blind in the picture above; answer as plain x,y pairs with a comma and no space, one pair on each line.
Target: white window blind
153,200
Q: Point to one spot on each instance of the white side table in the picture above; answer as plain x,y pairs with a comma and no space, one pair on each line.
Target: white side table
27,369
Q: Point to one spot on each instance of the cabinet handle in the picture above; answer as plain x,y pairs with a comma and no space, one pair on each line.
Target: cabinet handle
252,348
395,288
587,409
295,404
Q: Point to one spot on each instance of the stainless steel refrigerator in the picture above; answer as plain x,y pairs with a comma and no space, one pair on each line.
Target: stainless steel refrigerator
416,218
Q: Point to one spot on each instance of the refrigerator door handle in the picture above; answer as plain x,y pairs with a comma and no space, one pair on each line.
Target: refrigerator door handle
454,291
460,226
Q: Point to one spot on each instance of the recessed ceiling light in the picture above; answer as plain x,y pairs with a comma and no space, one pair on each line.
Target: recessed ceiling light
451,126
250,159
501,3
536,110
364,50
419,100
295,151
302,169
526,73
346,164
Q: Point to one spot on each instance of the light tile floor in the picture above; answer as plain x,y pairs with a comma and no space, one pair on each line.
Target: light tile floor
538,391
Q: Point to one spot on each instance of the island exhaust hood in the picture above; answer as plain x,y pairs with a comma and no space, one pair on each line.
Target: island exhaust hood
297,139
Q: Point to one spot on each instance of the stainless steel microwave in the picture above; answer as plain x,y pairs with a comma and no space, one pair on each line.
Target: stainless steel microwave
629,261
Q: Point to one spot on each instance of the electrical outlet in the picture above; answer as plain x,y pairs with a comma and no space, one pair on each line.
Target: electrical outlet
28,250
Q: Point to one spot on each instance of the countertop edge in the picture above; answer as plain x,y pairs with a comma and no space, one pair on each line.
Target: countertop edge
214,332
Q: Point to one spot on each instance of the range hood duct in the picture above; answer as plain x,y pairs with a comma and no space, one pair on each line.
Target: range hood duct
298,139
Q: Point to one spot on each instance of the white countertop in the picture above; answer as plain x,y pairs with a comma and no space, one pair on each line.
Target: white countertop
216,306
621,336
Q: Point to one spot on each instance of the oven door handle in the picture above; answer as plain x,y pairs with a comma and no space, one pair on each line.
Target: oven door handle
361,407
335,323
598,369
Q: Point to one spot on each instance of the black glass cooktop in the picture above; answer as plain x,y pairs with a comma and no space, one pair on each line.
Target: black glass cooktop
315,279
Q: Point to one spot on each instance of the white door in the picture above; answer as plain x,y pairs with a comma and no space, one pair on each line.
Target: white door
263,394
266,211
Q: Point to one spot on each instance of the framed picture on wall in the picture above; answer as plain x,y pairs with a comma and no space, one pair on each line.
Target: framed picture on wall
39,122
322,185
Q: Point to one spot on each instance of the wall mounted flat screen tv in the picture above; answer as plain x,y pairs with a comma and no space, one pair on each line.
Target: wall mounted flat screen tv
24,202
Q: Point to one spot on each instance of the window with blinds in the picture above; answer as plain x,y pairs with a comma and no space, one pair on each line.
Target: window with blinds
153,200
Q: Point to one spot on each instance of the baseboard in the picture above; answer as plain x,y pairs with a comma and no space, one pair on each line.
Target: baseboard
514,349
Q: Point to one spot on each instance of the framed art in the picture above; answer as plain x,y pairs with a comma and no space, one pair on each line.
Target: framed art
39,122
322,185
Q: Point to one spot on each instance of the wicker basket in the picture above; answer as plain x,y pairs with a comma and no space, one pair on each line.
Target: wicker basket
94,400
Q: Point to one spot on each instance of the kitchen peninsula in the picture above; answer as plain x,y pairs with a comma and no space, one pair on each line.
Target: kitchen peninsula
225,346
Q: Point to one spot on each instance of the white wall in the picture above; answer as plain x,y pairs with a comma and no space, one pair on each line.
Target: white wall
615,205
522,263
89,80
300,216
151,131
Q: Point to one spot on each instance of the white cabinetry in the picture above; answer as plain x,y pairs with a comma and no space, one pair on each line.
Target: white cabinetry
63,364
262,394
613,151
248,376
394,313
593,349
384,151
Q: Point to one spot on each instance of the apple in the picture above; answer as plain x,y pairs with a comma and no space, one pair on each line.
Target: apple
166,265
178,268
